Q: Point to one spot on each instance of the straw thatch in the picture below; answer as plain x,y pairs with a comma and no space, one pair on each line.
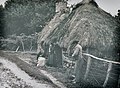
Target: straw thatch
91,26
60,15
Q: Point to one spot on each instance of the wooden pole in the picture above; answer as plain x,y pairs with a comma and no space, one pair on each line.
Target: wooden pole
23,45
88,65
108,74
31,45
17,49
88,68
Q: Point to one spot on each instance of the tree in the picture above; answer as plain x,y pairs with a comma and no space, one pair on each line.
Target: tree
118,16
117,36
1,21
27,16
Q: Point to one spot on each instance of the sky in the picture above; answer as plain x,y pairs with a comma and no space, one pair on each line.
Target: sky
110,6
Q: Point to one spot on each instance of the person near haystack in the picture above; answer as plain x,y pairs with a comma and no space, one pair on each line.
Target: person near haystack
77,56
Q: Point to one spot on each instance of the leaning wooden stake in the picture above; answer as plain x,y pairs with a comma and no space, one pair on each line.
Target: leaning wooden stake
108,74
17,49
23,45
88,68
31,45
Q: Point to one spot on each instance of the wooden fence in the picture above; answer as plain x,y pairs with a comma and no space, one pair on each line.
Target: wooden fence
89,62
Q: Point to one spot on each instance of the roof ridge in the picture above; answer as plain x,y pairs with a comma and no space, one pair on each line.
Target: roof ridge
83,2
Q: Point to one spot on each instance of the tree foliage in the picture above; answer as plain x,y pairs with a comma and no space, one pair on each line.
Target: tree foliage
1,20
118,16
27,16
117,34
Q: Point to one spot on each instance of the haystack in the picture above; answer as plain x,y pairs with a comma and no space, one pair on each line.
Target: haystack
61,13
91,26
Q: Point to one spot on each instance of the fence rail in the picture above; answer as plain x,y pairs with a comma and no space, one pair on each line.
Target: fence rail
90,57
97,58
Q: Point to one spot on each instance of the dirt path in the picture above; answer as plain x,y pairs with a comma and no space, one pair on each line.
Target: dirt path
13,77
53,75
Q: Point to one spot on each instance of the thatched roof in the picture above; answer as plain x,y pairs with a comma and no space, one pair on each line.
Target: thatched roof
90,25
59,17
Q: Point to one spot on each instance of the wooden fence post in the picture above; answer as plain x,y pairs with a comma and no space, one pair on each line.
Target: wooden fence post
17,49
31,45
23,45
108,74
88,68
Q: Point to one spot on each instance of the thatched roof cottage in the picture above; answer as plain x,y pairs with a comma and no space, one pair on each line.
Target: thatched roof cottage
91,26
96,31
